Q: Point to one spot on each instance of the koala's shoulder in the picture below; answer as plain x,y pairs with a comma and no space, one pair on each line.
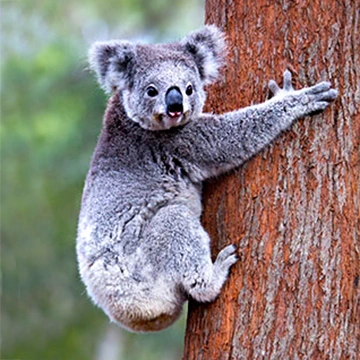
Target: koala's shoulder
117,131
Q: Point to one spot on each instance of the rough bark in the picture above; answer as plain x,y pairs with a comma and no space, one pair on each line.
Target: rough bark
293,210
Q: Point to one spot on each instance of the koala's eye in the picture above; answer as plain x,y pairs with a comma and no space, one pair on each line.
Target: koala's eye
189,90
151,91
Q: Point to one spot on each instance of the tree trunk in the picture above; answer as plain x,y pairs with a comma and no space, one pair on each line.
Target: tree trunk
293,210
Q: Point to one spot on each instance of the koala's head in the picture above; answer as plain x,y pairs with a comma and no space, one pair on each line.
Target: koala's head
161,85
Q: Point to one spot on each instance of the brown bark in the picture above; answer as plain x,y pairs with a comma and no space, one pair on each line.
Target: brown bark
293,210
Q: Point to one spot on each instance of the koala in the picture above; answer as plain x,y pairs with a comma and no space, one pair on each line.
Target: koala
141,249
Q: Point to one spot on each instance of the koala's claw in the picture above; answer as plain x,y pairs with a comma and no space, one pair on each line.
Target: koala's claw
226,257
319,88
287,84
274,87
329,95
318,97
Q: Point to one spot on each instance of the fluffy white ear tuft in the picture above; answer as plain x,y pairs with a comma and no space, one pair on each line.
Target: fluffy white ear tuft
113,62
208,47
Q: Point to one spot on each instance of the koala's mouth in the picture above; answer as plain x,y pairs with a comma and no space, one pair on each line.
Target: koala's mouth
170,119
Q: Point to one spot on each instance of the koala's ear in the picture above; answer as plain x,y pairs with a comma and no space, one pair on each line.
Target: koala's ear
208,47
113,62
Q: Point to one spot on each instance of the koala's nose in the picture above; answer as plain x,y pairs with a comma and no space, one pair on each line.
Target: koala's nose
174,102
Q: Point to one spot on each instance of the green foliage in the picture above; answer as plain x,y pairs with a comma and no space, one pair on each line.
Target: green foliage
51,111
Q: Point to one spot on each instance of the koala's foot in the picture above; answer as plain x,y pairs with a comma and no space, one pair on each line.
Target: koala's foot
303,102
226,258
207,282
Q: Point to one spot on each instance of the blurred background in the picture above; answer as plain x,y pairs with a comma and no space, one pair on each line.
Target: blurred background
51,113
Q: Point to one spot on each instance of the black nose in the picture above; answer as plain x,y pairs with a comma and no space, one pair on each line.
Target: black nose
173,100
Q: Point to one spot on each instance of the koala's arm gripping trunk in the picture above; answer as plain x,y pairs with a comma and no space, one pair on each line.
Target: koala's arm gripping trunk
216,143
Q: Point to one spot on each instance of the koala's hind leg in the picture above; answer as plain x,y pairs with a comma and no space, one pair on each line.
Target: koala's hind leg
178,245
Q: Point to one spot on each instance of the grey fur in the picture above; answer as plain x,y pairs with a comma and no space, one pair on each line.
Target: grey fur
141,248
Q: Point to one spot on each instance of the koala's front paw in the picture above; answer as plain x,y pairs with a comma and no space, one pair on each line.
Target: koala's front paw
306,101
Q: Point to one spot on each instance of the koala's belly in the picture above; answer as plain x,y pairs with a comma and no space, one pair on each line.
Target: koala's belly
147,200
